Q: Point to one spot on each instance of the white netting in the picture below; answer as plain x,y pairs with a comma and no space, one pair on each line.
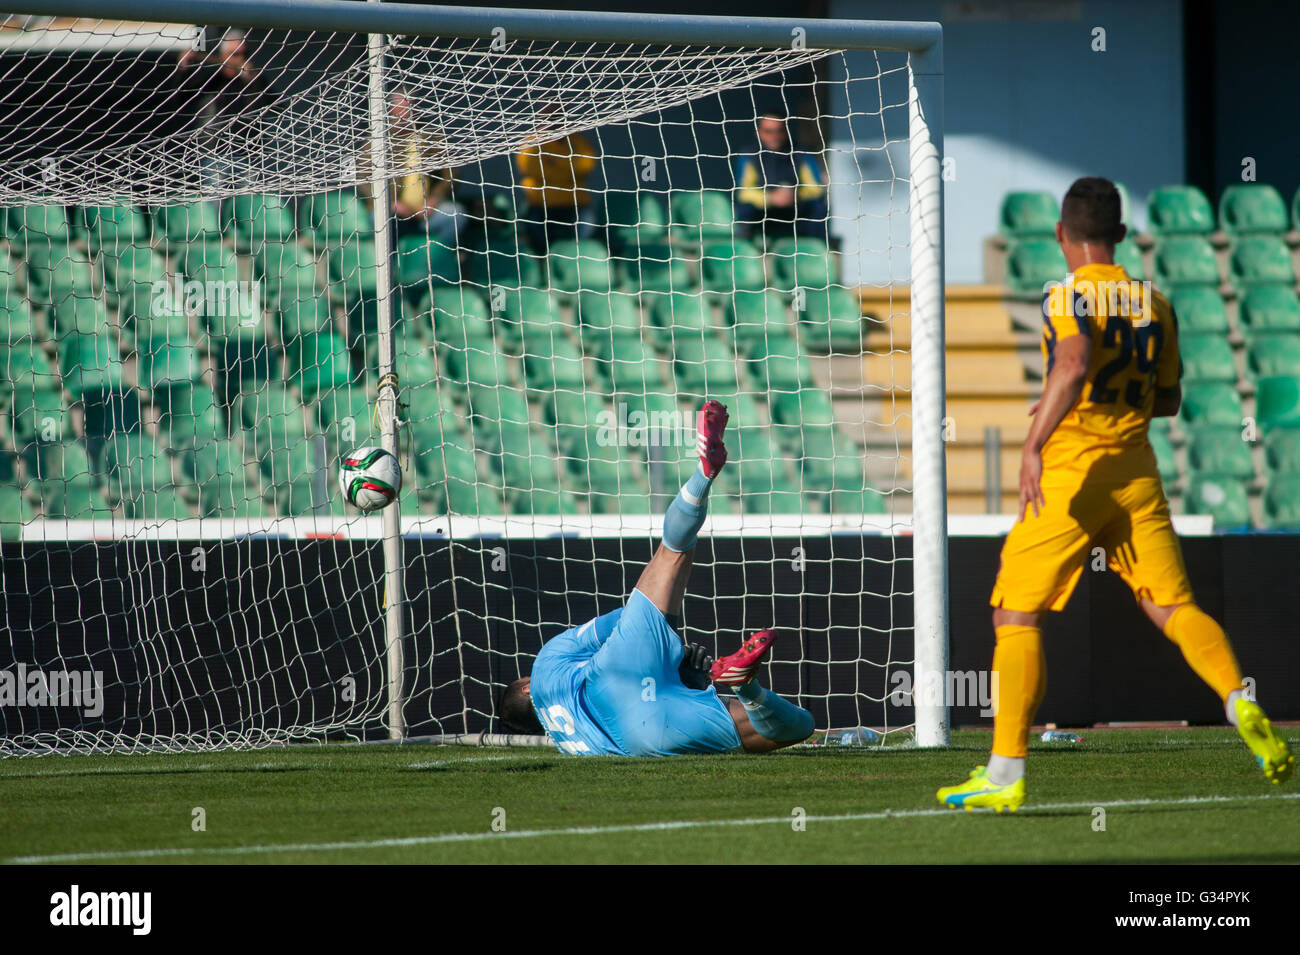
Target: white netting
582,254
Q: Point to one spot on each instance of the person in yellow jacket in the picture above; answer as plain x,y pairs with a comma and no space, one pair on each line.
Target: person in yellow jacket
553,178
781,190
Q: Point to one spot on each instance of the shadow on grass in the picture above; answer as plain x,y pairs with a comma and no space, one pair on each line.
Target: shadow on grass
452,766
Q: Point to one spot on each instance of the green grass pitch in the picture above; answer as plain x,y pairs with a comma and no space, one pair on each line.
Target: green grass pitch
1179,796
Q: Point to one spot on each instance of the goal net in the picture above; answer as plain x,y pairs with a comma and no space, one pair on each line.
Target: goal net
229,255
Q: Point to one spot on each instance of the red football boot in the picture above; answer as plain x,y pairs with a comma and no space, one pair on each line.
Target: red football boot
741,666
710,424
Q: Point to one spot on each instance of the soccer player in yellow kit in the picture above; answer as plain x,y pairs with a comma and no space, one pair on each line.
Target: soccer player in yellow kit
1088,478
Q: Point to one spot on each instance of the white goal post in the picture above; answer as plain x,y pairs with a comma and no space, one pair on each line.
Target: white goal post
492,83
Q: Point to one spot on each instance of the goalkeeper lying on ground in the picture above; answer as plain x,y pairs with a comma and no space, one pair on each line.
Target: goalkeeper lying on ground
624,683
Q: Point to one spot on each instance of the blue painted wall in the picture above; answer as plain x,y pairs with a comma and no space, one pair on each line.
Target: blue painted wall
1028,105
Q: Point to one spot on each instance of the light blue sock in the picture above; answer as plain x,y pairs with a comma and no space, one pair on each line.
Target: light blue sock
686,513
774,717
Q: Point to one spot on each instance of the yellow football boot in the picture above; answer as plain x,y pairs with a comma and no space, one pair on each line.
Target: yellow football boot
1270,749
980,792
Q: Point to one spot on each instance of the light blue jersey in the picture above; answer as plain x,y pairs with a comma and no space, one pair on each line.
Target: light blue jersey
611,686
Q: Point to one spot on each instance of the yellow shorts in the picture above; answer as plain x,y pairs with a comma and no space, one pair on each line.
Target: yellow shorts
1045,555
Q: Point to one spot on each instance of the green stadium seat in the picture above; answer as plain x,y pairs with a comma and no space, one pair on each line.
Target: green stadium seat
1200,310
129,266
478,362
335,218
698,217
112,227
345,416
1282,502
542,502
705,366
802,262
1267,309
597,312
1277,403
1028,215
163,364
209,262
832,321
1166,461
90,364
1129,255
504,264
15,512
460,316
81,316
1282,450
1179,210
1258,259
634,218
149,313
278,438
758,316
518,308
634,371
353,270
607,347
1219,449
1223,498
1032,264
1207,358
562,368
25,364
655,267
680,315
38,415
188,222
224,485
57,272
15,317
1252,207
498,407
318,363
573,414
68,488
139,475
1276,355
578,265
868,500
728,267
424,263
1211,404
304,316
415,361
1185,260
190,416
780,365
257,219
38,224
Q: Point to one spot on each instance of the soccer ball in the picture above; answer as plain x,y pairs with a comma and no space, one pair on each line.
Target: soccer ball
370,478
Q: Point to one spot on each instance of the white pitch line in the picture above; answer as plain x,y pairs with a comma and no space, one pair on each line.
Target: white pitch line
259,767
455,837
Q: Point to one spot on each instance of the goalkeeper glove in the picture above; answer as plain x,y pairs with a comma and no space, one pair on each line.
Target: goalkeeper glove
695,666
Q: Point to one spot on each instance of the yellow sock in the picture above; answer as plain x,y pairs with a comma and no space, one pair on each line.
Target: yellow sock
1020,673
1206,648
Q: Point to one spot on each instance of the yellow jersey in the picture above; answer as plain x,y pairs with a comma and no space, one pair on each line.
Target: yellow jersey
1134,336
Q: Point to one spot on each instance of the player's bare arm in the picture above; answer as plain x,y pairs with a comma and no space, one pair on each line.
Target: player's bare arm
1061,393
1168,401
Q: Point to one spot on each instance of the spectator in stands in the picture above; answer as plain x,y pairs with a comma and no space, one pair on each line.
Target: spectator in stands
554,179
220,91
782,189
422,200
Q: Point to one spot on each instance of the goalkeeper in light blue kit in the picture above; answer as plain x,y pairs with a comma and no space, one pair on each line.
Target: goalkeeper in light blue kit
625,684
